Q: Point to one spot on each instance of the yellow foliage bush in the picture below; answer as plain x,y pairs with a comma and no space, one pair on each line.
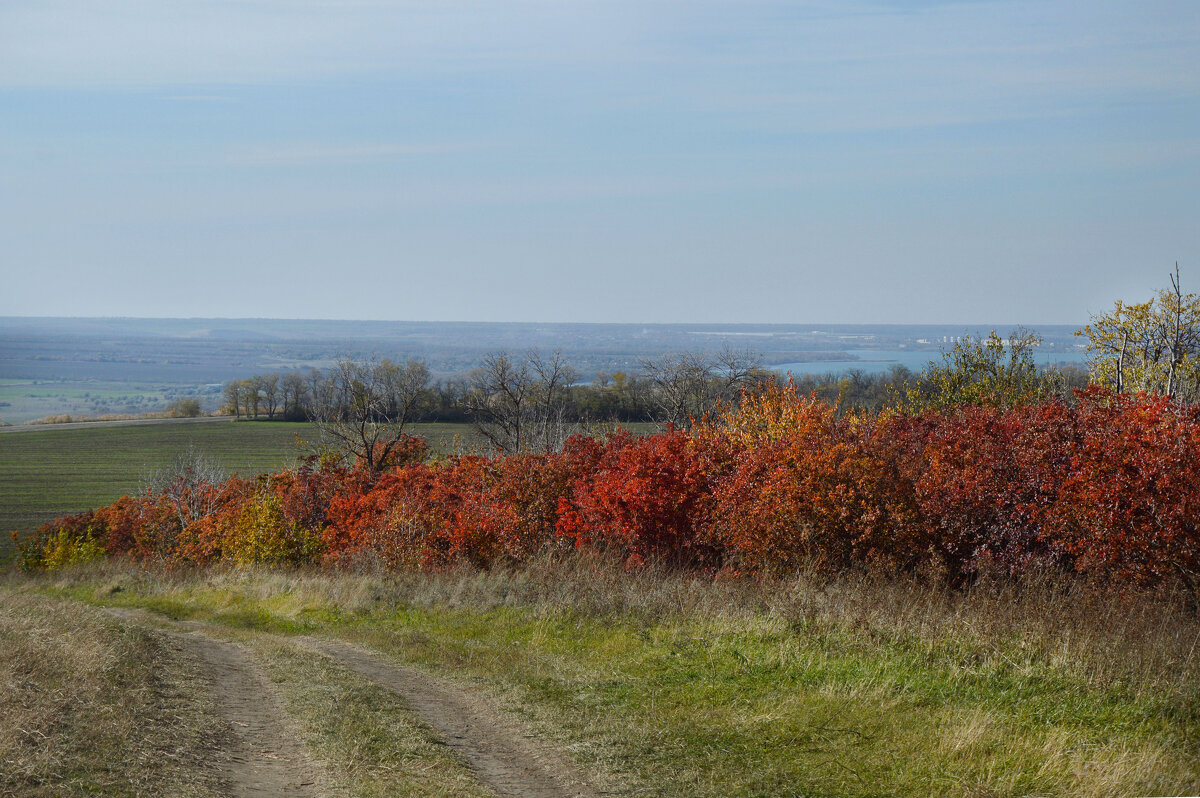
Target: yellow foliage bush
262,536
65,549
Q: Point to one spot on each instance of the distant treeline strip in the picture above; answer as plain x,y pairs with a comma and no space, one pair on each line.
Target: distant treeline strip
674,388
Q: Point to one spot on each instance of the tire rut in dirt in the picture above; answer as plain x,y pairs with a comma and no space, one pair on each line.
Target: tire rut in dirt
265,758
502,757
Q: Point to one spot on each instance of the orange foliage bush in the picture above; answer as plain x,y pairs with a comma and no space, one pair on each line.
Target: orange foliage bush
1109,484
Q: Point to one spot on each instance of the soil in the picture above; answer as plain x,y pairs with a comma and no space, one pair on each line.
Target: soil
503,757
261,756
266,758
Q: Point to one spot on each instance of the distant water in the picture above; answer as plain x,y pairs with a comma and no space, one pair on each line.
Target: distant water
874,361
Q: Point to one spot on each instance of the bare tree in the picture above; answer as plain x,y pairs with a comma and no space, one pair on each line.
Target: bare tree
684,386
1179,336
294,391
550,429
363,407
251,399
319,391
405,387
519,405
233,398
183,484
268,389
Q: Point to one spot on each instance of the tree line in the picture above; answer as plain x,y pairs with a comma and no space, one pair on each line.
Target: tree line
527,402
534,401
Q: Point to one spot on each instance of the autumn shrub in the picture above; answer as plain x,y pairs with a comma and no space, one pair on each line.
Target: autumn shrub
306,492
260,535
407,449
1106,484
807,488
394,519
122,521
68,540
987,478
646,499
1131,495
208,535
28,548
510,506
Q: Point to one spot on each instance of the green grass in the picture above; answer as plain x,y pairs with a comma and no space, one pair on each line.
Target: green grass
892,692
49,472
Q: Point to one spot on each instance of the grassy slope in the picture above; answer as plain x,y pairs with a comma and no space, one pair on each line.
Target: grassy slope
46,473
688,688
88,706
91,705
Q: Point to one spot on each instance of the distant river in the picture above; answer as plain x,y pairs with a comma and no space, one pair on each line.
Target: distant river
877,360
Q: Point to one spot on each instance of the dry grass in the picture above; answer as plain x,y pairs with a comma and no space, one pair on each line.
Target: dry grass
89,706
1105,634
853,685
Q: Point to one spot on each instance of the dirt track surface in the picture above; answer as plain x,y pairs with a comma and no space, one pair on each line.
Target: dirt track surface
501,755
264,757
267,759
133,422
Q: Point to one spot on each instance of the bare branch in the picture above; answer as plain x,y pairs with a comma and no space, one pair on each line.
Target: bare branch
363,407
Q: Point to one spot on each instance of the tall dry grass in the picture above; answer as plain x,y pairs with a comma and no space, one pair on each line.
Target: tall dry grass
91,706
1111,635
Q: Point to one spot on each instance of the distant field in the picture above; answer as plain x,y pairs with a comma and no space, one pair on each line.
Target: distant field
48,472
25,400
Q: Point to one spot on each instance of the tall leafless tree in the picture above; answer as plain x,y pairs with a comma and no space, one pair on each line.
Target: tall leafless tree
518,405
1178,335
687,385
295,393
267,386
363,407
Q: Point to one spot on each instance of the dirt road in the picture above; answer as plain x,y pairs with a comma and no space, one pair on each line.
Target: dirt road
264,757
267,758
502,757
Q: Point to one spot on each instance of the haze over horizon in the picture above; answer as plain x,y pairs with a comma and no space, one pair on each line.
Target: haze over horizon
882,161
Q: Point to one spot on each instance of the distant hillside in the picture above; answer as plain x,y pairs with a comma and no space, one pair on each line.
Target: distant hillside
199,351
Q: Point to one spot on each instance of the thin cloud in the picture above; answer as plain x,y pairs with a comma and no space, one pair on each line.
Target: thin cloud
312,153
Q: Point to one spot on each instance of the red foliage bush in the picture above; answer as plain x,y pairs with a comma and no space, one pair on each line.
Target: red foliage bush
646,498
1130,494
394,519
808,488
1109,484
986,480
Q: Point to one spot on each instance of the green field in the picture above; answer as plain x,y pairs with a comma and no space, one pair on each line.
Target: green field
22,401
46,473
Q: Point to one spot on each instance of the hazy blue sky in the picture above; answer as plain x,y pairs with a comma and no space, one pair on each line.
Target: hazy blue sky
619,160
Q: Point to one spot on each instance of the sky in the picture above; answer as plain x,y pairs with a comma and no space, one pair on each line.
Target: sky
850,161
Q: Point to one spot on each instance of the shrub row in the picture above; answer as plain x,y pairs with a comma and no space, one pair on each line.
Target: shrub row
1107,484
